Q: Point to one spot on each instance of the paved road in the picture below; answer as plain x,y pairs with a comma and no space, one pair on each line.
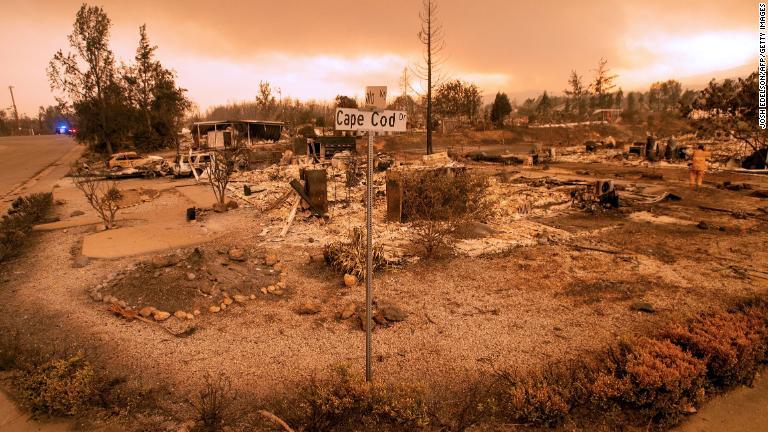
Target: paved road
23,157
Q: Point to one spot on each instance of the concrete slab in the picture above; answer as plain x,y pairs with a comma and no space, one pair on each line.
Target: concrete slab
201,195
144,239
12,419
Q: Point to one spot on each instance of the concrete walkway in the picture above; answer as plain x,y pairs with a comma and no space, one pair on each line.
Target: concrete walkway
13,420
144,239
743,409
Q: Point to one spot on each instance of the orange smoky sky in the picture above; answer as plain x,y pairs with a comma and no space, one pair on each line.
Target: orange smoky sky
318,49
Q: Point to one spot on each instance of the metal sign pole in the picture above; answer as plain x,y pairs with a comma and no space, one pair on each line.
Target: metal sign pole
369,260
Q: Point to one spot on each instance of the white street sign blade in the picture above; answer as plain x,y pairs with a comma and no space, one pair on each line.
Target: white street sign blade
352,119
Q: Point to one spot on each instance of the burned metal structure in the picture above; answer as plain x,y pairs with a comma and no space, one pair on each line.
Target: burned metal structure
234,133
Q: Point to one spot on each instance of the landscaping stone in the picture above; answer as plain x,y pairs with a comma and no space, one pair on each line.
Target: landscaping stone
350,280
308,308
214,309
362,321
159,261
147,311
347,311
270,259
161,315
236,254
642,307
393,313
378,318
81,261
180,314
76,213
191,276
240,298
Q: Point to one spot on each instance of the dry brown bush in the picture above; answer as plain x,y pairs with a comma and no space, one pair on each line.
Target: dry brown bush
733,344
17,223
66,386
540,397
215,404
103,196
350,257
436,201
345,402
219,170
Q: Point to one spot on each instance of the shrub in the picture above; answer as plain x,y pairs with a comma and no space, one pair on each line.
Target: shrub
350,257
539,397
663,378
733,344
437,200
458,409
214,404
102,195
655,378
17,223
60,386
444,195
346,403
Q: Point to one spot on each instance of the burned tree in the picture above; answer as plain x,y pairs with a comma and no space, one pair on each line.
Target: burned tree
101,194
431,36
219,169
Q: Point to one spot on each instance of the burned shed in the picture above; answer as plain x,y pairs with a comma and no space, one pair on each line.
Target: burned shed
234,133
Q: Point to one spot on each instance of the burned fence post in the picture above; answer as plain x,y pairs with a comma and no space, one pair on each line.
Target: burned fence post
316,188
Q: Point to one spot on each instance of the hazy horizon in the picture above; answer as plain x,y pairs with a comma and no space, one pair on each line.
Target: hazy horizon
314,51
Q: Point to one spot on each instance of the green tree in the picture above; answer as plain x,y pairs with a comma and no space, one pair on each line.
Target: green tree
86,78
633,112
732,106
265,100
500,109
602,84
544,108
458,99
50,117
159,104
345,102
577,102
619,99
687,100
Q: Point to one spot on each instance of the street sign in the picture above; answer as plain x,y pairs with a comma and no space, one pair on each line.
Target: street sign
353,119
376,97
377,120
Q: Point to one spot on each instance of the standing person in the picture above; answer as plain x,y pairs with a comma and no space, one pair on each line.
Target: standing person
699,166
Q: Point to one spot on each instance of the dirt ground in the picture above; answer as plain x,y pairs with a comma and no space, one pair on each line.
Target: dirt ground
565,282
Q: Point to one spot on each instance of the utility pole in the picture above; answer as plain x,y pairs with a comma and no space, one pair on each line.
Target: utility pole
15,111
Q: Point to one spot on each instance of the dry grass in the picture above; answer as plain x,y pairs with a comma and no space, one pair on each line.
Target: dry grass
16,225
350,257
647,379
345,402
214,404
60,387
436,201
